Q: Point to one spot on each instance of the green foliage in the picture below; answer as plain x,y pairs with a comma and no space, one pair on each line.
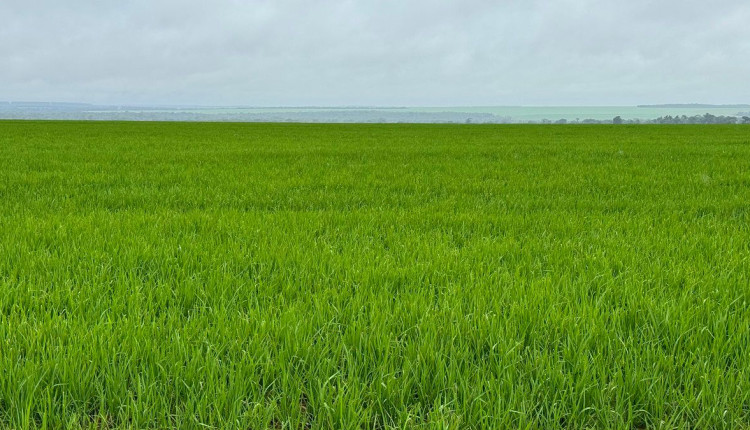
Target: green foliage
252,276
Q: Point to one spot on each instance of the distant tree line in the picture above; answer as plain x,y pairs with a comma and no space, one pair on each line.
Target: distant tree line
702,119
669,119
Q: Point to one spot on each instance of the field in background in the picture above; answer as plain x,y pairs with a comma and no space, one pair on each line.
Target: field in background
374,276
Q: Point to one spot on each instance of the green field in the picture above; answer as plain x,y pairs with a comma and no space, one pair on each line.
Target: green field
250,276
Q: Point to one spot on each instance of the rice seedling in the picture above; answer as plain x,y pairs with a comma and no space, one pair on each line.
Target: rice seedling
250,276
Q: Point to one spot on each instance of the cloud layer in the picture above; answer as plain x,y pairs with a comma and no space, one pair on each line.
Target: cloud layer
375,52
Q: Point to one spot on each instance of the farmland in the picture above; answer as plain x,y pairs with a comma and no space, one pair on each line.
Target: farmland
195,275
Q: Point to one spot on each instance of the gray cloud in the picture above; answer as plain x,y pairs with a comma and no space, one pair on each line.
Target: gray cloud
368,52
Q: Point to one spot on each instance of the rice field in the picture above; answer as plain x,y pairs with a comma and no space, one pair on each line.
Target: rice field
313,276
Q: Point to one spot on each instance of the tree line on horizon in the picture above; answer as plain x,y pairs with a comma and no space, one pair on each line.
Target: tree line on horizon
706,118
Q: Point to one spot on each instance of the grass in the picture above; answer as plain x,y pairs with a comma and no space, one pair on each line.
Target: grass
251,276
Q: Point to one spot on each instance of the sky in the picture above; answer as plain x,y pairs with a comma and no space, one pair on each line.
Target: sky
375,52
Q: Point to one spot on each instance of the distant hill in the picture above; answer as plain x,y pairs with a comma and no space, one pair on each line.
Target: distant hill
696,105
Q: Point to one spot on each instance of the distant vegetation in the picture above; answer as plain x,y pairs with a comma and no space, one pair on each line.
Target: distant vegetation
308,276
78,111
677,119
702,119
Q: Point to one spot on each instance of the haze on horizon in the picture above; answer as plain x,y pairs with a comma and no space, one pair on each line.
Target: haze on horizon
375,53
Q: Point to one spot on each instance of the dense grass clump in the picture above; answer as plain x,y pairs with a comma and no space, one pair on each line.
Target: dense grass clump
251,276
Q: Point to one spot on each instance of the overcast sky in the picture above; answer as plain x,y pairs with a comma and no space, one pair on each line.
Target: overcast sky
375,52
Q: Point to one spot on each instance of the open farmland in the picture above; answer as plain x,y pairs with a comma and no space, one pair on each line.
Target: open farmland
247,276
